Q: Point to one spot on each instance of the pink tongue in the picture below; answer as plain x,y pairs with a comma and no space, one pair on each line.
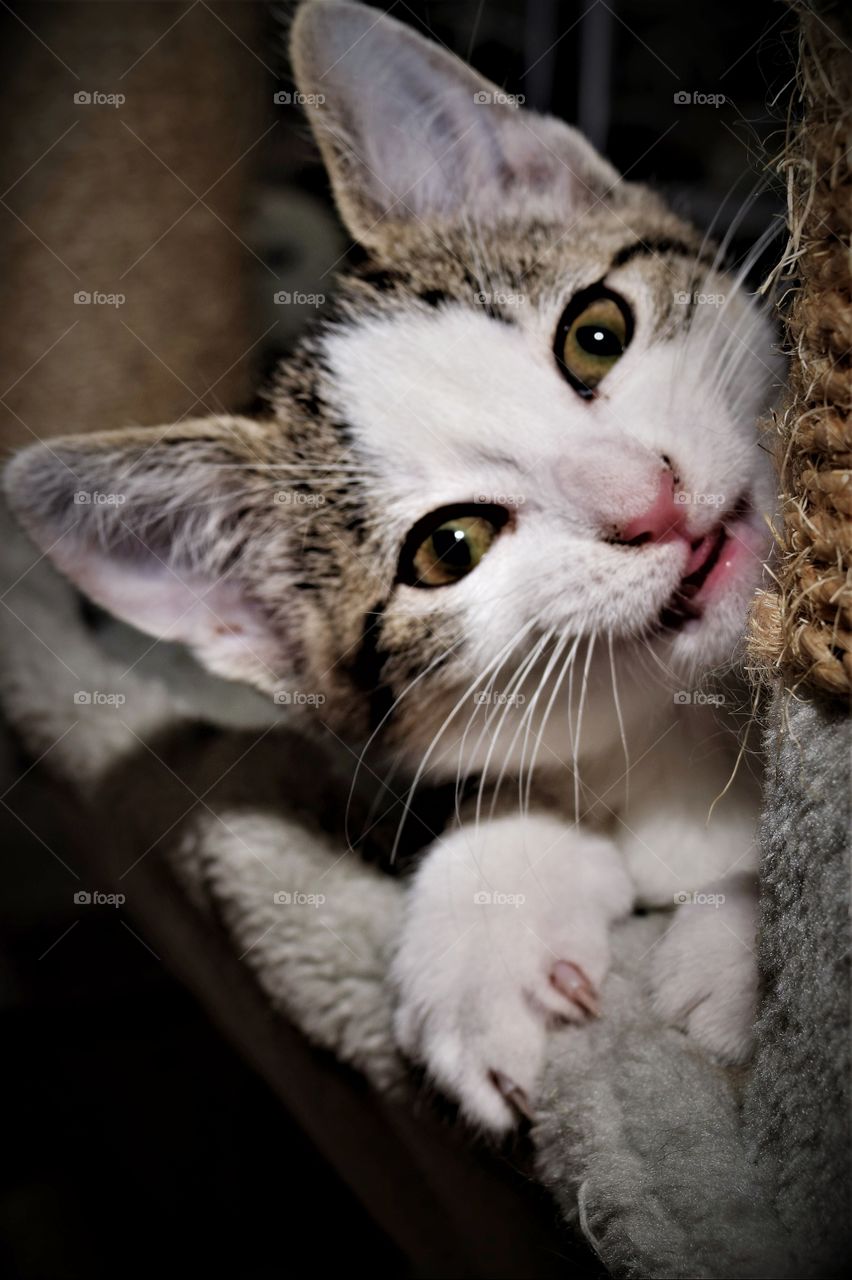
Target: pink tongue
701,553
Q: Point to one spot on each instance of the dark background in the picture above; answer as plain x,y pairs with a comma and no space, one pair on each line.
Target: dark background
135,1141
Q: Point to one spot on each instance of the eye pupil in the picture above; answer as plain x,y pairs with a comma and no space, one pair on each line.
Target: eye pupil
448,544
598,341
451,548
593,333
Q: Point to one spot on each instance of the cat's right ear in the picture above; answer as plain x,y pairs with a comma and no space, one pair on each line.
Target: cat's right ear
177,531
409,132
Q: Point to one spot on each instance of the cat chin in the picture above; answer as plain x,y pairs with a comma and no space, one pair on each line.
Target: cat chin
712,641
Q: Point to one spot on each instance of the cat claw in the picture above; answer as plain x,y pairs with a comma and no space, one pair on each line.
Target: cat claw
574,984
514,1095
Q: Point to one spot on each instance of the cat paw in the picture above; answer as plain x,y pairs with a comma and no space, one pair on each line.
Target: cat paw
704,970
478,1022
506,936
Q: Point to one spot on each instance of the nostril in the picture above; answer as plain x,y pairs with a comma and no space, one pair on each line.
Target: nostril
658,523
671,467
636,541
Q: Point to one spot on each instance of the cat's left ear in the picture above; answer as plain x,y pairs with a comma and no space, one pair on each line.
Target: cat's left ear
409,131
171,530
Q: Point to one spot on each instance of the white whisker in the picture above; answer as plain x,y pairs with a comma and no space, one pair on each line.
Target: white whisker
576,742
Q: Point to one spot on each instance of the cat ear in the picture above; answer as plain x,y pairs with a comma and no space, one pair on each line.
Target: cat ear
409,131
153,526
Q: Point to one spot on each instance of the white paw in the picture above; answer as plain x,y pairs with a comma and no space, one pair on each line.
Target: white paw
506,934
704,971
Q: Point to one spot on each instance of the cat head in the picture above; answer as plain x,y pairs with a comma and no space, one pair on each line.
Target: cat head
525,428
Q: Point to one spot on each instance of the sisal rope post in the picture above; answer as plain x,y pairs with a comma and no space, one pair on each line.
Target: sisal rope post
802,628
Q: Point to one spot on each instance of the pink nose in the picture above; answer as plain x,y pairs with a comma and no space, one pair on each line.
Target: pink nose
661,522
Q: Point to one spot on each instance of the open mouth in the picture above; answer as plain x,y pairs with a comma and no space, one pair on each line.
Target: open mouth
686,602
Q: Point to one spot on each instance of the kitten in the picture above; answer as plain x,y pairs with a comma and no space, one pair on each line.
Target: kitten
503,511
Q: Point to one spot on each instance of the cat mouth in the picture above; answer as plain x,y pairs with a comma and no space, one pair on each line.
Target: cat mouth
692,594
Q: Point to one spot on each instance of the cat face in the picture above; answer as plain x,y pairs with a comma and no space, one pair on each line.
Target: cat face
522,441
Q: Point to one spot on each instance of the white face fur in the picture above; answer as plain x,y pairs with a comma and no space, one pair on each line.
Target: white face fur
458,407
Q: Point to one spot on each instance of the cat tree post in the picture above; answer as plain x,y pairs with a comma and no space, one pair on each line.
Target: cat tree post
797,1105
803,627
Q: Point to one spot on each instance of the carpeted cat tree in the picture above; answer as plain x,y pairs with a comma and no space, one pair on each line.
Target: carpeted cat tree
797,1104
669,1165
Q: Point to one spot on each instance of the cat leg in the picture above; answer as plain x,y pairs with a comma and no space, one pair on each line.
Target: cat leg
505,933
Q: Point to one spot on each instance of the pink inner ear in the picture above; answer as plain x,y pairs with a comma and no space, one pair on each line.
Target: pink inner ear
215,618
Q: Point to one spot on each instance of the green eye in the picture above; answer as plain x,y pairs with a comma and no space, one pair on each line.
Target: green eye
439,551
456,547
592,335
